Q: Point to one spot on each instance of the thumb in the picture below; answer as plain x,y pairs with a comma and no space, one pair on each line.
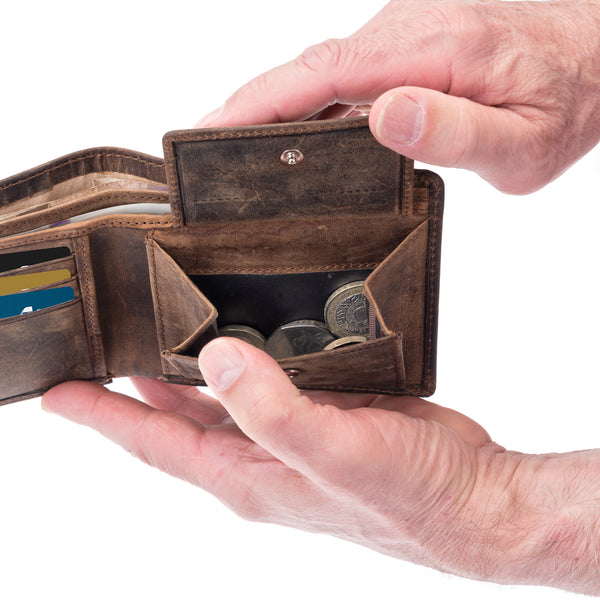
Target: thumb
266,405
449,131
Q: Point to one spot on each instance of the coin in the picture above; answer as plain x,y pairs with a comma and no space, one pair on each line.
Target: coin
347,311
243,332
297,338
346,341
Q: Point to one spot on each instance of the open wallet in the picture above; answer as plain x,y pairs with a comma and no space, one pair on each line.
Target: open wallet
114,263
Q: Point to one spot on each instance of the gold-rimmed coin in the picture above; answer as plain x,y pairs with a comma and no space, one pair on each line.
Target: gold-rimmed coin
347,310
346,341
245,333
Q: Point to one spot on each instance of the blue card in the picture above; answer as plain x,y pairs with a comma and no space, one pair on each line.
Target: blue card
26,302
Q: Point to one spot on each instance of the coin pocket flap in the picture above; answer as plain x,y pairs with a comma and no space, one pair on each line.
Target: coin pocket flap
185,319
398,291
379,362
283,170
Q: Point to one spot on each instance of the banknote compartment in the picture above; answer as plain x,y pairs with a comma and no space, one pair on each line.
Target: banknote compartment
78,183
185,319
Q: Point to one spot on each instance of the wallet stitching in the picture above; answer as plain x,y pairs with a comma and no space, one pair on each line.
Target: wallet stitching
76,232
90,312
432,278
172,175
159,313
74,160
280,131
276,270
399,358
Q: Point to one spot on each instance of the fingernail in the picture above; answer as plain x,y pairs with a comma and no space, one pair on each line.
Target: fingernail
399,120
221,364
210,118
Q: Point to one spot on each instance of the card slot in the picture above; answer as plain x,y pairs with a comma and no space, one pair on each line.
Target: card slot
72,282
58,264
185,319
43,348
26,256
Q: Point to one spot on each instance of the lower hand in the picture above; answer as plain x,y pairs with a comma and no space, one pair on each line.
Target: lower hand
401,475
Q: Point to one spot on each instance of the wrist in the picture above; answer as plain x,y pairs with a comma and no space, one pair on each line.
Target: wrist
534,520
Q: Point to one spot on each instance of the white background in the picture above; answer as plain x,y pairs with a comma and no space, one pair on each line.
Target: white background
79,518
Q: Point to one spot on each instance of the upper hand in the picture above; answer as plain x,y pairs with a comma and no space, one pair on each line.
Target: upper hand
509,90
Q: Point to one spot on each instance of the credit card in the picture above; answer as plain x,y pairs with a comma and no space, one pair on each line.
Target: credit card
13,284
14,260
26,302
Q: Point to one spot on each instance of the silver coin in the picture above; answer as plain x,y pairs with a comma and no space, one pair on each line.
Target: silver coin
297,338
346,341
245,333
347,310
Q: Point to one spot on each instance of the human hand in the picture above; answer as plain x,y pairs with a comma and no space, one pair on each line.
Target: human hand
397,474
509,90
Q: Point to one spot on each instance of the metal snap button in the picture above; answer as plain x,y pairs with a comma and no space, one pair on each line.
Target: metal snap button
291,157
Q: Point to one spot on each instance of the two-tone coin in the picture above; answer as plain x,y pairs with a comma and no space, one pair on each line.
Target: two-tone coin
347,310
243,332
346,341
298,338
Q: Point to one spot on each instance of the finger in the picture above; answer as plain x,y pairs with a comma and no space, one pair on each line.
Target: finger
496,142
470,431
354,70
173,443
220,459
182,399
267,407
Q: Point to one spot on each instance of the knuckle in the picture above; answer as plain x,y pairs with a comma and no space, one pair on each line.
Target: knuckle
326,55
259,85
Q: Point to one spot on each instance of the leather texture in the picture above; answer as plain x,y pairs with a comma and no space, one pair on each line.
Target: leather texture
246,226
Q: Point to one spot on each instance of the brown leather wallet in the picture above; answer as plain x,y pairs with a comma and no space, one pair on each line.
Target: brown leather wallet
252,225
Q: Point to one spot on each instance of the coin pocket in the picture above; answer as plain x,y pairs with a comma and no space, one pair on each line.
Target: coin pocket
268,301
